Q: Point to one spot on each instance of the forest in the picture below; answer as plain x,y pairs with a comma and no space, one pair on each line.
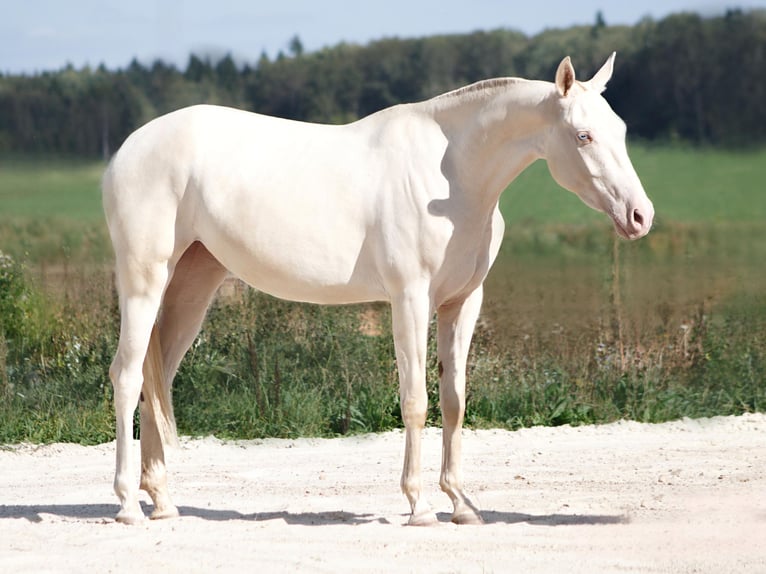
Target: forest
685,78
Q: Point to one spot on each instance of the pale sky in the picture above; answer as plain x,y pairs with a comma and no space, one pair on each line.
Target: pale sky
39,35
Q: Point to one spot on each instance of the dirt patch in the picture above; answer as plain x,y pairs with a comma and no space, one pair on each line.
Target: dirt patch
687,496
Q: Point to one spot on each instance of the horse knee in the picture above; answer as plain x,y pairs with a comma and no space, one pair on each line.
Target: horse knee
414,410
127,388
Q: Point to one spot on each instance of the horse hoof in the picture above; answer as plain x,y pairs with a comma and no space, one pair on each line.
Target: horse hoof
163,513
131,518
468,517
427,518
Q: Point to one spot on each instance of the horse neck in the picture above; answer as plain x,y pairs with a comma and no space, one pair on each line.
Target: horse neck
495,129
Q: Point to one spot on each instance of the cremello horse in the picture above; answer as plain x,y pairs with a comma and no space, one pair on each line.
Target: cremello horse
400,206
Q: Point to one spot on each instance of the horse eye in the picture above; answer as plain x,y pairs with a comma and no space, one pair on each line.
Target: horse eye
584,137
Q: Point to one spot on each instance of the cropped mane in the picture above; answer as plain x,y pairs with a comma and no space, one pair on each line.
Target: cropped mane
480,87
488,89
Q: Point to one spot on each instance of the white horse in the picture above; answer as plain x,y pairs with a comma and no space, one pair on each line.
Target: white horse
401,206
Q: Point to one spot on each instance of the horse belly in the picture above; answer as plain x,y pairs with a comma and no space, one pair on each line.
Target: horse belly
295,280
311,259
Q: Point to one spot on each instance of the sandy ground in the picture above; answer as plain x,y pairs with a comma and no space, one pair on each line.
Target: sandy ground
688,496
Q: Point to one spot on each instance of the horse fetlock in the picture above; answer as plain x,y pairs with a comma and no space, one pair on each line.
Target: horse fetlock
158,492
162,513
451,482
465,515
465,512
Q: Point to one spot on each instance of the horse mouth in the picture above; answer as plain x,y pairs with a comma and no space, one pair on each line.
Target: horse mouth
620,229
625,233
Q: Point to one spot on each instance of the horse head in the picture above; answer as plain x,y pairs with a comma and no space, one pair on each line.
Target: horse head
586,152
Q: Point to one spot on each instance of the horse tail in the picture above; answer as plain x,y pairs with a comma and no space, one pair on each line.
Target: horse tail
156,393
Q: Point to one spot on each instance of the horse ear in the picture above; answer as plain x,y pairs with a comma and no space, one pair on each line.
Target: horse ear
565,76
598,82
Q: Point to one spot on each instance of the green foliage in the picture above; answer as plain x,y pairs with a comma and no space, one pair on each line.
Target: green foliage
264,367
13,297
724,374
55,363
81,112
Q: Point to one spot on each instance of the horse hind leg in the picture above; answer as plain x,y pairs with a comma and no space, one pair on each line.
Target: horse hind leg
196,278
141,290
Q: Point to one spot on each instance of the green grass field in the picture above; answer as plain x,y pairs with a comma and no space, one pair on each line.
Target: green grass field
50,188
577,326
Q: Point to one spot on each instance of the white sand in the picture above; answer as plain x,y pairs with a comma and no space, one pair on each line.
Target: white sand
687,496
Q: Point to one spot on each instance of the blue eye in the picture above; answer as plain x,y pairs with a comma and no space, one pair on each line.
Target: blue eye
584,137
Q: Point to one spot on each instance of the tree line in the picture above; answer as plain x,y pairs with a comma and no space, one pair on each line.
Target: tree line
683,78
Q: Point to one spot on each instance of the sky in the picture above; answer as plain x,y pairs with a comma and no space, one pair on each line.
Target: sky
45,35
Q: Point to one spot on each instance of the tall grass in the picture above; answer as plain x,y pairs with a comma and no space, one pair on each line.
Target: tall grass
53,354
264,367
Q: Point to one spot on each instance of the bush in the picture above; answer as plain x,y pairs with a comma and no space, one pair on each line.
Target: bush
55,359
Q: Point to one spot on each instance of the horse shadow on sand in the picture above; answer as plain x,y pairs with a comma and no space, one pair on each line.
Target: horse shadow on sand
104,513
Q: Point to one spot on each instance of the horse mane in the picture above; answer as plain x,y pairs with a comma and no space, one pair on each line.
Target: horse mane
479,87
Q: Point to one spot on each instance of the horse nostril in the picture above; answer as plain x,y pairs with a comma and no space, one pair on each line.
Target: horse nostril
638,219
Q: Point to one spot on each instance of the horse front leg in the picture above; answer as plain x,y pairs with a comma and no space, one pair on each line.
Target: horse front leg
456,323
410,315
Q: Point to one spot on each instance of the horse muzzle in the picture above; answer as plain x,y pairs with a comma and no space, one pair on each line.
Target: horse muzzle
635,221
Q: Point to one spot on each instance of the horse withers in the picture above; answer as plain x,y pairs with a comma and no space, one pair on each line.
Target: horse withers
400,206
